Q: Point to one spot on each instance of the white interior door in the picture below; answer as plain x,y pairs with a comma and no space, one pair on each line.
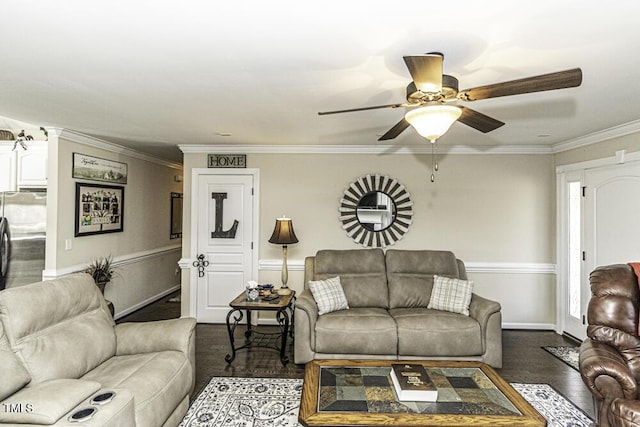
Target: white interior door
611,215
225,230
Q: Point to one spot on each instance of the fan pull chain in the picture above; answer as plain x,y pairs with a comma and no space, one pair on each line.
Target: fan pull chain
436,167
433,165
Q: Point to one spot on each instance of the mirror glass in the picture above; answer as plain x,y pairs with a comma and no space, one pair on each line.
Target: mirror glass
176,216
376,211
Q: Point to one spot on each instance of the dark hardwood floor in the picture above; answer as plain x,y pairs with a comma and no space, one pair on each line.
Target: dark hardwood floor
524,360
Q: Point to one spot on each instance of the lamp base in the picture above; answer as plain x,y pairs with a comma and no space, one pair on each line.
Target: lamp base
283,291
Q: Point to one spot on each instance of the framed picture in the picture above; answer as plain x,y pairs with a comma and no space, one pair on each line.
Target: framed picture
99,209
176,216
97,169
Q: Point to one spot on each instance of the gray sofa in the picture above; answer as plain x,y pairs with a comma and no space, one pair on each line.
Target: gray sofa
59,348
387,316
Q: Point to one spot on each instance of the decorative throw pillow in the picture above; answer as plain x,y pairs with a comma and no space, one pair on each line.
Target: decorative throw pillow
329,295
451,295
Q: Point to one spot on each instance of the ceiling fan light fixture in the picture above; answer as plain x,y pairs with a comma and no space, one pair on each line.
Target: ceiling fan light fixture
433,121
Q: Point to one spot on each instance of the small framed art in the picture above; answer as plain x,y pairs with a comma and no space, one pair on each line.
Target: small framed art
99,209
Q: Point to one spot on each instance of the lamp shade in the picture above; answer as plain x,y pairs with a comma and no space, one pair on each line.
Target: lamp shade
433,121
283,233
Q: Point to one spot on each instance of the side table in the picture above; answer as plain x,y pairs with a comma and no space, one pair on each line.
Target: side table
283,307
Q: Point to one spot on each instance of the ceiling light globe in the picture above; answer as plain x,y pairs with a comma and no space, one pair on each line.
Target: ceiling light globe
433,121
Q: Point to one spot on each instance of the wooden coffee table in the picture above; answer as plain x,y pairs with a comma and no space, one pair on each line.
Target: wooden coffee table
359,393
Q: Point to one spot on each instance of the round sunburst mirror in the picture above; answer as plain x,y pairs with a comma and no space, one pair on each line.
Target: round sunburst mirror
376,211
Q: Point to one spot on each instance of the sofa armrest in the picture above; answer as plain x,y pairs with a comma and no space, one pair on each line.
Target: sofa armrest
161,335
306,303
306,315
46,402
481,309
605,372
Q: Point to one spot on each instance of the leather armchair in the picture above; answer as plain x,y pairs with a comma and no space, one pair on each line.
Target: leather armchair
610,356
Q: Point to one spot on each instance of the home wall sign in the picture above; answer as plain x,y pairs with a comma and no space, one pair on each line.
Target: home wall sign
97,169
376,211
227,160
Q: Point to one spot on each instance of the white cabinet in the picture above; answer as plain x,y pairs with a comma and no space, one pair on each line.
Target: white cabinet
8,174
21,168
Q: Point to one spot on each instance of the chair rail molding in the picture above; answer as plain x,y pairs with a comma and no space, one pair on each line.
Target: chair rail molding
119,261
472,267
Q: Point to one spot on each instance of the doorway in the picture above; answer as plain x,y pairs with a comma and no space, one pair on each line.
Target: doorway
597,226
224,229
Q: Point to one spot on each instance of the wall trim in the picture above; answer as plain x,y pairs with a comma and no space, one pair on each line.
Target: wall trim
146,302
362,149
529,326
119,261
621,157
509,325
599,136
472,267
91,141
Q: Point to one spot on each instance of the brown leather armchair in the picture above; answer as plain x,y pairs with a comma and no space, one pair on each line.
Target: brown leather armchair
610,356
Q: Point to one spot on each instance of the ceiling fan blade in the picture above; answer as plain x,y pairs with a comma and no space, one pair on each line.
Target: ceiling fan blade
551,81
396,130
426,71
479,121
350,110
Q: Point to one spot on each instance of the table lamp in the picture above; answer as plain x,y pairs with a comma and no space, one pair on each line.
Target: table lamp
284,235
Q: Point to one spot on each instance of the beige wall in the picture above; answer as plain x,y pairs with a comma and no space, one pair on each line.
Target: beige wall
145,257
493,211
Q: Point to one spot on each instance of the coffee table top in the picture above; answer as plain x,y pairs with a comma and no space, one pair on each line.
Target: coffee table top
360,393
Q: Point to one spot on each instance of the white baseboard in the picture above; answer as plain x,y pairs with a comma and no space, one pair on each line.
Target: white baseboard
508,325
532,326
146,302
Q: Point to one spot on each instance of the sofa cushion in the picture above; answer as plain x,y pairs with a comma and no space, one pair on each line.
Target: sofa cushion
410,274
425,332
158,381
14,375
362,274
356,331
69,320
451,295
328,295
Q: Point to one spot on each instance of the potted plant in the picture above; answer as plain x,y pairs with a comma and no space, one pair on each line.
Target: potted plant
101,269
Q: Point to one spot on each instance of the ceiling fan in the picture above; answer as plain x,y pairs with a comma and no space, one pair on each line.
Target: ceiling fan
432,94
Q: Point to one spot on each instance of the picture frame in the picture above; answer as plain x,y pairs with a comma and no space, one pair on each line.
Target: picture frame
97,169
99,209
176,216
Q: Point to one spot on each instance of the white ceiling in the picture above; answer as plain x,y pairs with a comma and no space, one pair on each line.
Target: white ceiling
153,74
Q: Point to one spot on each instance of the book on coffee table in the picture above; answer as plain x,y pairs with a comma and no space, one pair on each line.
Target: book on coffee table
412,383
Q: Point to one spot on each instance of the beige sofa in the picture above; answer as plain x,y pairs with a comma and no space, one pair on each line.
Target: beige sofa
388,294
59,348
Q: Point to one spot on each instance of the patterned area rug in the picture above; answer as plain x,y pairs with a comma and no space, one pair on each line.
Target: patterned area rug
558,411
567,354
269,402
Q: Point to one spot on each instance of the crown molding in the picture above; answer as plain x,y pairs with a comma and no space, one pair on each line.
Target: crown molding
379,149
91,141
599,136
